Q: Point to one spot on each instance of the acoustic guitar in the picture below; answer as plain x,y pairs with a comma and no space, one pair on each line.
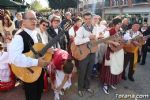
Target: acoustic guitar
31,74
80,52
131,47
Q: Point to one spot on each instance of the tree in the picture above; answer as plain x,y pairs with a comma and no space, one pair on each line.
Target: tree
63,4
36,5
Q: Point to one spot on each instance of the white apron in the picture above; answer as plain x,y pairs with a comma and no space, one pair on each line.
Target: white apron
116,62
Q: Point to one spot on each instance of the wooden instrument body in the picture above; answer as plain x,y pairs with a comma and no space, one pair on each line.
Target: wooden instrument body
33,73
119,47
131,48
80,52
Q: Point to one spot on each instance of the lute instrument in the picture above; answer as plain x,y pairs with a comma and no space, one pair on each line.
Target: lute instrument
80,52
32,74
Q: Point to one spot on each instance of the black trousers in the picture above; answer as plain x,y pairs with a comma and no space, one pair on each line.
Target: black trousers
144,53
33,91
129,59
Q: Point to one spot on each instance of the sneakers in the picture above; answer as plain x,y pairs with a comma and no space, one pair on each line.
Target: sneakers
113,87
90,91
80,93
56,97
105,89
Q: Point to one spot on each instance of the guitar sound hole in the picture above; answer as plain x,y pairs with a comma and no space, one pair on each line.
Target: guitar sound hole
29,69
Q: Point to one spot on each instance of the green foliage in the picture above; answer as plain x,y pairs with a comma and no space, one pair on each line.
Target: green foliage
63,4
45,10
36,5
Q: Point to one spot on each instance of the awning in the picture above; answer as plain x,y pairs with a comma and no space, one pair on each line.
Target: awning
11,4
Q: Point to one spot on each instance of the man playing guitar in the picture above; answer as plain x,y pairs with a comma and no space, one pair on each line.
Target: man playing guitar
131,51
84,35
19,45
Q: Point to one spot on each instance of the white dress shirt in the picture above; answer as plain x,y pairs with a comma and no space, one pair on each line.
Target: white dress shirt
82,35
15,51
71,32
130,34
97,30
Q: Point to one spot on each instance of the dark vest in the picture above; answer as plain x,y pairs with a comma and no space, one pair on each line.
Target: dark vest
27,40
53,34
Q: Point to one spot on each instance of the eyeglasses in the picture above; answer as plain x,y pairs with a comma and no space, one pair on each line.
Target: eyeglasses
31,19
55,20
45,25
87,18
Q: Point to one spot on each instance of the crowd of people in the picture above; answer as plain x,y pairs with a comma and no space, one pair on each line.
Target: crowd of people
122,44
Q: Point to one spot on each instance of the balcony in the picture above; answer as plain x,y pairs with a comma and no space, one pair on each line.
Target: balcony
117,3
139,1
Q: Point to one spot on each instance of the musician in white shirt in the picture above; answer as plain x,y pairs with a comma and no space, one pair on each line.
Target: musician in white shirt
83,35
22,43
131,56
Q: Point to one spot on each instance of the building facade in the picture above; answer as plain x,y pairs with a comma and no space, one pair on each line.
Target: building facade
93,6
135,9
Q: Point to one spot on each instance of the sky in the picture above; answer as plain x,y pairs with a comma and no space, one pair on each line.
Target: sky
43,2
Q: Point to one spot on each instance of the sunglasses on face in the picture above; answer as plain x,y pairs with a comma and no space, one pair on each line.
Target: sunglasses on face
45,25
55,20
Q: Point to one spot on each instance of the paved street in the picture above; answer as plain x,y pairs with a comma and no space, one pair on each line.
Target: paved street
140,86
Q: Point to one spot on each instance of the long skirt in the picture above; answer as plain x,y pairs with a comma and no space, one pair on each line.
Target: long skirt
107,77
7,79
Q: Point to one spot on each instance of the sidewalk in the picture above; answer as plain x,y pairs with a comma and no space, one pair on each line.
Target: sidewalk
140,86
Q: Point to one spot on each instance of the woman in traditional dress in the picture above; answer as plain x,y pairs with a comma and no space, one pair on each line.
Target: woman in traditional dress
7,80
112,66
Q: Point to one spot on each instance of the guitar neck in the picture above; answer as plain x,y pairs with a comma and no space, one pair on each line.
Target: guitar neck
106,39
51,43
139,37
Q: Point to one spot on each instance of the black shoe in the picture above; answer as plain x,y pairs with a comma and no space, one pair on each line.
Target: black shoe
124,78
131,79
143,63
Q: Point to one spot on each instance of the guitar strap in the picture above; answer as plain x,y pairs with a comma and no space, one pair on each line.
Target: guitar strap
89,29
35,53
